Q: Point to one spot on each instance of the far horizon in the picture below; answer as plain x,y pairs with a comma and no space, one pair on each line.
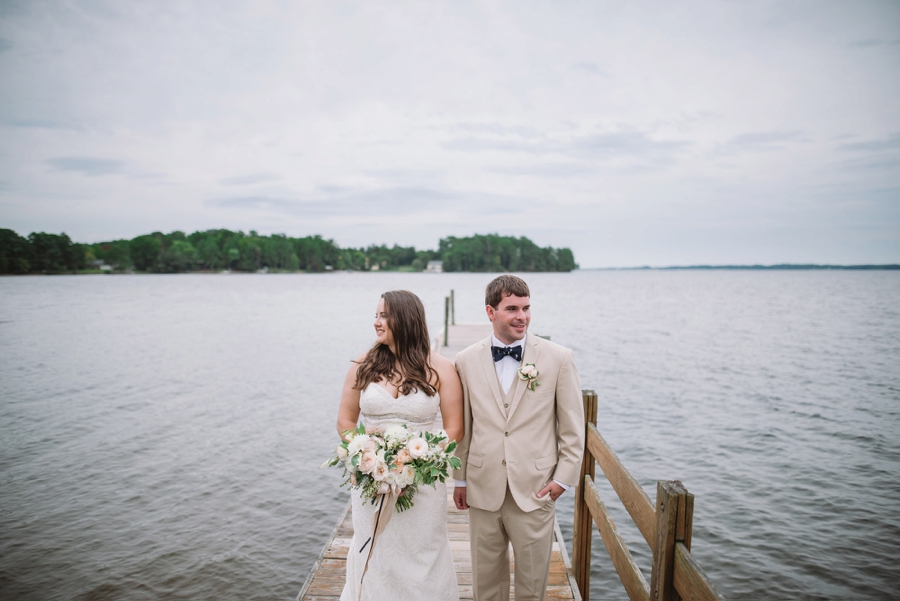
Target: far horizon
670,266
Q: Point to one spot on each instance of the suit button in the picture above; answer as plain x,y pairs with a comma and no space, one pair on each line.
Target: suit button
503,462
506,434
506,405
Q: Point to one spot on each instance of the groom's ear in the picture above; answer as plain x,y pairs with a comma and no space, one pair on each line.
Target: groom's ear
490,312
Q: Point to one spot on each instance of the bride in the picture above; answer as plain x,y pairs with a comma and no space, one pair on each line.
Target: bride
400,381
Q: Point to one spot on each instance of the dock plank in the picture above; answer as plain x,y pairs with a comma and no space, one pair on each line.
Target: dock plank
461,336
326,580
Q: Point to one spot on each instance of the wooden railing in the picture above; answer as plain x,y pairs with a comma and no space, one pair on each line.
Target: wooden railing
666,527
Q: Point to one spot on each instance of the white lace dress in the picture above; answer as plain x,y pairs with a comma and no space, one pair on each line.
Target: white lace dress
411,560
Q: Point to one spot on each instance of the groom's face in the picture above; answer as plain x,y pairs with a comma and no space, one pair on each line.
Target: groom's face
510,318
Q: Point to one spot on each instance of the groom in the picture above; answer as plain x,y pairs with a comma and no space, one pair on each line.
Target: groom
522,446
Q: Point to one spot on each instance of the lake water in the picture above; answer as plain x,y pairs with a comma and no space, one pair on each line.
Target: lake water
161,436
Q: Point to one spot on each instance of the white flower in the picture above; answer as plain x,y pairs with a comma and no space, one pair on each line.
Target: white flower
407,475
368,462
528,371
397,432
417,447
381,471
341,452
356,443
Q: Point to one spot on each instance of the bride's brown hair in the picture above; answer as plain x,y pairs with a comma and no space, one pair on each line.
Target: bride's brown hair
406,319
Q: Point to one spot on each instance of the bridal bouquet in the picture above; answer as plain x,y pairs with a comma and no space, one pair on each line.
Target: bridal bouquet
395,460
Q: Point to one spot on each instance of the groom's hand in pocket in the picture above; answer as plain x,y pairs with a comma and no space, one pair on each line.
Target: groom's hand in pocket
553,489
459,497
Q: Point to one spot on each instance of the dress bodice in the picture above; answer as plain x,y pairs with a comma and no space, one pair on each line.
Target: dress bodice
378,409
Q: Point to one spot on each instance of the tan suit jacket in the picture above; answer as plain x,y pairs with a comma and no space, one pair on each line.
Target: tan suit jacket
538,438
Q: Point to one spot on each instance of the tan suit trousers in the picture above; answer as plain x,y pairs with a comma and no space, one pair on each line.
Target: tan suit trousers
531,535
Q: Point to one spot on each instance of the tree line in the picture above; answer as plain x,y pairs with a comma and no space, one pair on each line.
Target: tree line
214,250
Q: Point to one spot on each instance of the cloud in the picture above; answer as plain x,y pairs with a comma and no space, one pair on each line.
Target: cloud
892,142
340,200
500,130
873,154
590,68
42,123
5,44
247,180
759,142
371,206
551,170
629,146
472,144
86,165
875,42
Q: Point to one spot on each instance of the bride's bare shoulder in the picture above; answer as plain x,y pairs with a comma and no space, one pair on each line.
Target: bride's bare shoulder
355,363
441,364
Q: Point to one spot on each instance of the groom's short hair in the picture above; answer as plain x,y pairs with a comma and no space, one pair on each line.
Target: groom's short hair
504,285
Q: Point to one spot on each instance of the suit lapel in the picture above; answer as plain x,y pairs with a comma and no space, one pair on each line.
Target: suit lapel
490,373
532,351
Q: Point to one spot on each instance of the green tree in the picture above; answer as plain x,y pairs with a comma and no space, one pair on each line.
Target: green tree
315,254
116,253
54,253
146,252
180,256
208,252
251,253
278,253
495,253
15,253
234,255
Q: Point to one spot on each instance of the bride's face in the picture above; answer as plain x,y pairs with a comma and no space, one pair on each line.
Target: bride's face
383,334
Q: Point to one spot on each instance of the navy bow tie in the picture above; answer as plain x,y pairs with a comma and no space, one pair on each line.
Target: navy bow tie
501,351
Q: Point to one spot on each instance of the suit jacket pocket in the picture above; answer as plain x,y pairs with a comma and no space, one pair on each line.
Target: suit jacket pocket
543,463
475,460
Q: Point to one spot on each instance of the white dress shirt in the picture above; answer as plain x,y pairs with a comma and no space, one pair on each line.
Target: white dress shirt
507,369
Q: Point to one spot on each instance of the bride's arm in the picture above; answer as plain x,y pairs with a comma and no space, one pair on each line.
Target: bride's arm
451,397
348,410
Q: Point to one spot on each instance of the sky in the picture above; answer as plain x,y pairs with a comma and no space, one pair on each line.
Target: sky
634,133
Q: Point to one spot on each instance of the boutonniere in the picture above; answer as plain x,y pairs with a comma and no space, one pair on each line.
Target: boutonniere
529,374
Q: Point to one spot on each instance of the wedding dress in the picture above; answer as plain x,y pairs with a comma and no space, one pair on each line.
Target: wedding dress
411,559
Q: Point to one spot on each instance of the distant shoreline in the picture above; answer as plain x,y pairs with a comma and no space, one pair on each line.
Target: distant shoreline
779,267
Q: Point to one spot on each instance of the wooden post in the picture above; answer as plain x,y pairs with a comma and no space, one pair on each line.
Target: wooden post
583,525
662,580
684,521
452,307
446,319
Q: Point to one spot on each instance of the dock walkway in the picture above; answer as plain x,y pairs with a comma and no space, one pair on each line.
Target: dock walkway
326,579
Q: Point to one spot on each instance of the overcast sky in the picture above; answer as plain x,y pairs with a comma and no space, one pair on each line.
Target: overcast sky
634,133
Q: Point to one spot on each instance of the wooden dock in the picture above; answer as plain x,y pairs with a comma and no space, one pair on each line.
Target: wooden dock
326,579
